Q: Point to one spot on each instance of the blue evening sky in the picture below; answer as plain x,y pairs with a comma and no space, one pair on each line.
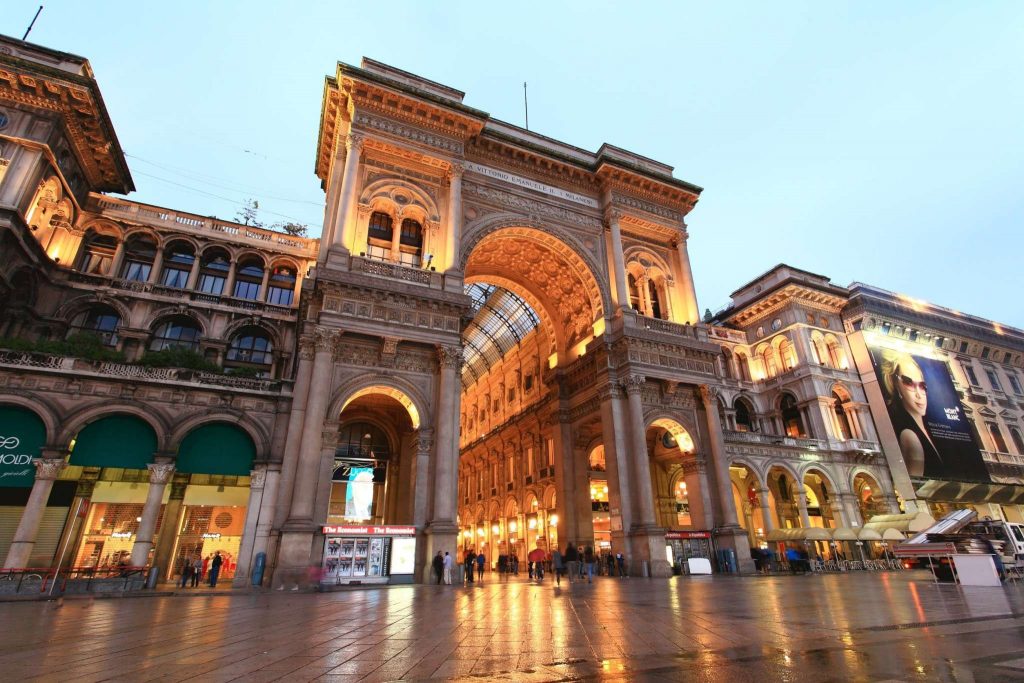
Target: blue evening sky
872,141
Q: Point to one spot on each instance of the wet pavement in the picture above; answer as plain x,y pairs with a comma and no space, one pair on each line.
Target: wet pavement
850,627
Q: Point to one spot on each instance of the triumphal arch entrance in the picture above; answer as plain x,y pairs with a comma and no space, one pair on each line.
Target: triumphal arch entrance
501,348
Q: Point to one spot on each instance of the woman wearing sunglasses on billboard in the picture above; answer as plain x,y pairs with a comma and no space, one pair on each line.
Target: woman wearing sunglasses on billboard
907,398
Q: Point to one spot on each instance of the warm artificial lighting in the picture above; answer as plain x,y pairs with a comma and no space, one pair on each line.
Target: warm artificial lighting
512,526
553,521
606,489
480,532
534,502
532,523
593,492
495,529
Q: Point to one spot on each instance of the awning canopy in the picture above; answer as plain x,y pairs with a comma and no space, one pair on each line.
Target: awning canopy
216,449
23,435
845,533
904,523
1007,492
801,534
115,441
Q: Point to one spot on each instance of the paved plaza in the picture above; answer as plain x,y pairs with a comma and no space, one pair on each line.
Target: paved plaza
858,627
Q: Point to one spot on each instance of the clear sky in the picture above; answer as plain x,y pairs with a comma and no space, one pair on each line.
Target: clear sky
872,141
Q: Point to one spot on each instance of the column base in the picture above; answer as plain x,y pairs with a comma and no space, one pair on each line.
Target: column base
647,544
735,537
294,558
441,537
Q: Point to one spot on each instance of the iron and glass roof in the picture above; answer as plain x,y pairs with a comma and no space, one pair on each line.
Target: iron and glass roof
501,321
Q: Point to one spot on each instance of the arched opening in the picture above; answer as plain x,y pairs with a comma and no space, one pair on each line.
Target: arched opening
251,352
281,291
836,354
634,292
139,255
744,415
745,487
97,253
249,278
769,361
743,365
178,332
783,498
839,406
870,501
787,354
179,257
792,421
23,435
214,268
1018,441
380,234
99,320
410,243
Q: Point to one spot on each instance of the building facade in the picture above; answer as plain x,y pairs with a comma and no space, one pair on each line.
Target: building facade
495,344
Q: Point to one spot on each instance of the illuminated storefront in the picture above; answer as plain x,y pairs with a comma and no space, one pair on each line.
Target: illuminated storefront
355,554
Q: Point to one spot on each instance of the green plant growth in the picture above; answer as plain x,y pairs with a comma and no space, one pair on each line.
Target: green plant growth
178,358
78,345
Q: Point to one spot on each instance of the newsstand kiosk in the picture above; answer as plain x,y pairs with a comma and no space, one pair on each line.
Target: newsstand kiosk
368,554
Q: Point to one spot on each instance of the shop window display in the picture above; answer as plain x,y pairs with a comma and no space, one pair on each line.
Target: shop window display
109,534
208,529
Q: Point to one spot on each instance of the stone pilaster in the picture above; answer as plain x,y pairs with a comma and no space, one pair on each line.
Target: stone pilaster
159,474
47,471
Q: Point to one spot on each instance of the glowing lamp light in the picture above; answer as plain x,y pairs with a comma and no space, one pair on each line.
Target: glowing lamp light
553,521
512,526
532,523
593,492
480,532
606,489
495,529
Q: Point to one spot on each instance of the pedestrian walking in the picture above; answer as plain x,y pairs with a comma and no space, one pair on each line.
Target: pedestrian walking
438,567
481,561
588,557
515,564
572,560
610,562
620,562
197,570
215,564
557,565
186,571
447,569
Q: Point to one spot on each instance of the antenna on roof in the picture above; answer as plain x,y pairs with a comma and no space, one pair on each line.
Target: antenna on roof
29,29
525,104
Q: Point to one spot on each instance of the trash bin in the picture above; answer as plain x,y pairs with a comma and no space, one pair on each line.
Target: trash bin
646,569
151,577
259,566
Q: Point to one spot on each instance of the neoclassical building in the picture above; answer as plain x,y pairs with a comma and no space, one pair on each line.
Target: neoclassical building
494,344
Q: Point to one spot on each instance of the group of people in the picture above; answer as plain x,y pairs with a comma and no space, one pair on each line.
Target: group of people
194,569
576,563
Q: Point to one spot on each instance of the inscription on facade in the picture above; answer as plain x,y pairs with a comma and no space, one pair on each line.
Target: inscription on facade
529,184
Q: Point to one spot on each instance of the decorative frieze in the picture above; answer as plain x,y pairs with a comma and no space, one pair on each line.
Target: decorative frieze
529,206
407,132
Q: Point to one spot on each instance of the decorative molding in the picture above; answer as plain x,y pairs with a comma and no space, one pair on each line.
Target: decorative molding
48,468
409,132
529,206
257,478
634,384
450,357
160,472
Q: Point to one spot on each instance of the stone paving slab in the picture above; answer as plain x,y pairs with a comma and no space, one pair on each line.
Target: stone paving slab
862,627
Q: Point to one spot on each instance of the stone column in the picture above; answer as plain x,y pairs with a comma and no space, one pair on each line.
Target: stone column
801,504
48,468
620,497
159,474
293,441
193,273
642,485
698,494
266,515
173,512
839,513
229,284
441,531
158,262
454,228
343,228
565,476
421,493
618,260
115,264
691,312
767,514
257,482
262,296
730,534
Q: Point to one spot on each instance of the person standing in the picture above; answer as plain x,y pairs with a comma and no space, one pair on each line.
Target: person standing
447,569
572,560
588,557
438,565
197,570
468,565
481,561
610,561
215,564
186,571
557,565
515,565
620,561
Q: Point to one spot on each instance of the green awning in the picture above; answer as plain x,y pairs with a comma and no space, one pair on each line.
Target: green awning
115,441
22,434
217,448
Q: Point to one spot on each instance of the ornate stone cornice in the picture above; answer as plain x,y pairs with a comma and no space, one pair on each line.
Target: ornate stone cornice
709,395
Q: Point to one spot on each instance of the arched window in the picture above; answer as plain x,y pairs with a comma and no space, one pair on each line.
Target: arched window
744,416
787,353
727,362
178,260
379,235
997,437
139,254
1018,442
213,273
176,333
842,419
97,254
411,243
836,355
655,292
363,440
250,347
102,321
634,292
282,286
743,363
248,279
769,361
792,423
817,346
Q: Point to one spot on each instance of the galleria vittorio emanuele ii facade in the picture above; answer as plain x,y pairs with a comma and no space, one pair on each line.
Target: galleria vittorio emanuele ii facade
495,344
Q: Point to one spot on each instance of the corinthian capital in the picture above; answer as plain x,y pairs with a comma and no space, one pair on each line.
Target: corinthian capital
354,142
634,384
258,478
425,441
612,216
48,468
455,170
160,472
325,339
708,394
450,357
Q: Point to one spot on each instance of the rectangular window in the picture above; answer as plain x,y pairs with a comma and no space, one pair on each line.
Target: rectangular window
137,271
963,347
886,328
175,278
971,377
97,264
378,253
984,352
280,296
211,284
411,260
247,290
1015,384
993,379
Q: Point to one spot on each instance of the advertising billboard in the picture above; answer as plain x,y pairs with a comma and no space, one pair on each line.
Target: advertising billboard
934,435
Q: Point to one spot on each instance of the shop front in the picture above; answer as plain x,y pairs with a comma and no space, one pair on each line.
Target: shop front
368,554
681,546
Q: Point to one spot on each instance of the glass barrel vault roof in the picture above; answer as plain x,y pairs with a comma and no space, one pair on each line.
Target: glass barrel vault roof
500,322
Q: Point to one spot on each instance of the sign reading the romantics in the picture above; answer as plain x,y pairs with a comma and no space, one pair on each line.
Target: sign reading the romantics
368,530
531,184
21,436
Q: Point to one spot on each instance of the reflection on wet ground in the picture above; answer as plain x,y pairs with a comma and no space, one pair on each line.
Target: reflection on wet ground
856,627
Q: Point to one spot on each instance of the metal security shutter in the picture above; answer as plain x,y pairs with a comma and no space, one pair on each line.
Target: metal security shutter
50,529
